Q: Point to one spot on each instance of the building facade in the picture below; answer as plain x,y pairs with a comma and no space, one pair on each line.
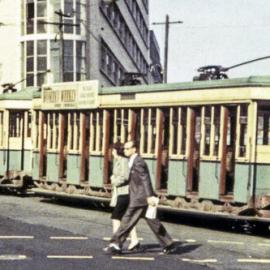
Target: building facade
72,40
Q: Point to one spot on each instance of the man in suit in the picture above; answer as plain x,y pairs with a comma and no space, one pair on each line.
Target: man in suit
141,195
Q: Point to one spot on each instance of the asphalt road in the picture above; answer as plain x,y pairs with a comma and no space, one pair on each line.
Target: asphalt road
37,233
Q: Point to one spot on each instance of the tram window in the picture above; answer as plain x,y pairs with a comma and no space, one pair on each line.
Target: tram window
216,130
53,130
87,129
148,131
145,130
197,129
263,133
120,125
74,130
36,138
111,137
78,129
243,110
183,125
96,132
15,127
50,131
56,128
166,127
1,128
211,133
29,125
175,130
45,128
178,131
207,130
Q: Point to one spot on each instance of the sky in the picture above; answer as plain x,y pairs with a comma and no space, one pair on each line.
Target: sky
214,32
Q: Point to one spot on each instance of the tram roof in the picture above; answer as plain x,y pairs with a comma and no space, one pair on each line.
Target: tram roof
252,81
24,94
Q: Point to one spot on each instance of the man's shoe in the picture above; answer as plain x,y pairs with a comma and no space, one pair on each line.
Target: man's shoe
169,249
135,247
112,249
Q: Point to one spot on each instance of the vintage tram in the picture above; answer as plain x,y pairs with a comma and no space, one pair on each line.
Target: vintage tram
206,143
16,138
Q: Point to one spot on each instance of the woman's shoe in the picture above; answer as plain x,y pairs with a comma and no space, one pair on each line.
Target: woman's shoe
134,247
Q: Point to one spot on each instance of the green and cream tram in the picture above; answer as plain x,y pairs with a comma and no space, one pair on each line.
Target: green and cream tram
16,138
206,143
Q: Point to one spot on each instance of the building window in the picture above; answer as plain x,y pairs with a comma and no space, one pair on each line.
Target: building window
41,61
30,14
138,18
68,61
37,55
80,61
124,33
68,10
41,16
78,17
109,65
30,63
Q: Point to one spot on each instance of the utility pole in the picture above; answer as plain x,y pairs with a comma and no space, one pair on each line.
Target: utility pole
60,25
166,48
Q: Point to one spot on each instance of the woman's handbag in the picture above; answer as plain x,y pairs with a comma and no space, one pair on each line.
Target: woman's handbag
114,197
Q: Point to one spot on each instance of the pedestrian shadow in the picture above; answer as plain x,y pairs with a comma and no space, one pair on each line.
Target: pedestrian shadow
184,248
179,248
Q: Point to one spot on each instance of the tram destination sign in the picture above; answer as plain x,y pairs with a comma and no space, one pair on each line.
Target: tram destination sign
73,95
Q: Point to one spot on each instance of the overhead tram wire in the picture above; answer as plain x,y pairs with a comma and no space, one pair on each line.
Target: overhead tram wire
10,86
166,48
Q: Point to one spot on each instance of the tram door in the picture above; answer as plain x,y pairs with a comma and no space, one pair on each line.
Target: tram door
16,137
193,158
163,147
228,151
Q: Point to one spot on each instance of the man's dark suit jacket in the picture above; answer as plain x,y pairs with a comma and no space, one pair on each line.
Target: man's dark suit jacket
140,186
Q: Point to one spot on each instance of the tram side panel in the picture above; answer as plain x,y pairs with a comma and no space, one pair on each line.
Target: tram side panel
210,152
262,155
177,177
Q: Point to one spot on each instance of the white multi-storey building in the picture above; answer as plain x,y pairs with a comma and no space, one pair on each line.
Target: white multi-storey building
99,39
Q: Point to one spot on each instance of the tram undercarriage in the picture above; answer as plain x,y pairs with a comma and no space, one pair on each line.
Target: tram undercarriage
259,208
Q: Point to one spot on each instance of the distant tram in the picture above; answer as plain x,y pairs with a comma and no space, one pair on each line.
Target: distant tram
206,143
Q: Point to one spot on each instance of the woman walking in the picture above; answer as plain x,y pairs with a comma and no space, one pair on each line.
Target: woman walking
120,196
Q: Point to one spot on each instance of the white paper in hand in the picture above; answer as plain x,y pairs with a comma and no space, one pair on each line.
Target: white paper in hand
151,211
